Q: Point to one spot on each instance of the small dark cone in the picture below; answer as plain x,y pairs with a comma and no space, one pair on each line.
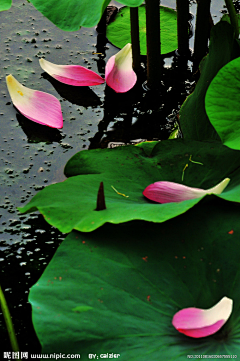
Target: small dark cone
101,205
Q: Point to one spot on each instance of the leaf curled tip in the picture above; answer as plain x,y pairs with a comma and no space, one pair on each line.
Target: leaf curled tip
197,323
101,205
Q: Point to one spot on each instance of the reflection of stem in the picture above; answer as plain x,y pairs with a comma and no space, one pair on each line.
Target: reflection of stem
101,27
8,321
101,51
153,44
233,17
182,22
135,38
202,31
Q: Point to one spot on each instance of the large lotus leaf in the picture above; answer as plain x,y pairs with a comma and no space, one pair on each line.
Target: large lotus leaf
119,31
115,290
72,204
70,15
223,106
5,4
223,48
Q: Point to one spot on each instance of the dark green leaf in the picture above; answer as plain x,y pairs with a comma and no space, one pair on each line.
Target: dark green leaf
226,17
135,277
223,106
119,31
82,309
193,118
72,203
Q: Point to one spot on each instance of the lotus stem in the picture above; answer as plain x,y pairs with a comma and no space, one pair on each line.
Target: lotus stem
233,17
154,66
135,39
182,26
8,321
201,31
101,205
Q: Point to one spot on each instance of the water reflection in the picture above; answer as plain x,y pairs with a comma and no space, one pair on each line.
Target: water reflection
81,95
37,133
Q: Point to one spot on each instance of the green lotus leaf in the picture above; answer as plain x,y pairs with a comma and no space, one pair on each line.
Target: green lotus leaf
119,31
222,104
5,4
70,15
131,279
125,173
193,117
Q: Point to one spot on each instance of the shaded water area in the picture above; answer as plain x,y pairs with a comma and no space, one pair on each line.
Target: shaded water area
33,156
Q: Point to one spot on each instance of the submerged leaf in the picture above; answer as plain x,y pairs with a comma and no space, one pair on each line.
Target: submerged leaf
167,192
71,74
119,31
41,107
195,322
119,72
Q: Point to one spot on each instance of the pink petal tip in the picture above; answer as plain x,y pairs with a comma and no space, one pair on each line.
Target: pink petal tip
195,322
119,73
71,74
40,107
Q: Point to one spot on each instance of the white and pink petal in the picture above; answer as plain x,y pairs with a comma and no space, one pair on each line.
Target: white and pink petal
71,74
196,322
119,73
168,192
41,107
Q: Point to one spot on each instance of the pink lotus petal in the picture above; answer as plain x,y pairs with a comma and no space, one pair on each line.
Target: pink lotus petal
71,74
119,73
42,108
195,322
168,192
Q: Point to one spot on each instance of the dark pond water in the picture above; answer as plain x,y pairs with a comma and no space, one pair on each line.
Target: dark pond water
33,156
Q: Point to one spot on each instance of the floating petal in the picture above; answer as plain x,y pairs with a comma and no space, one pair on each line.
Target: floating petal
167,192
71,74
42,108
119,73
195,322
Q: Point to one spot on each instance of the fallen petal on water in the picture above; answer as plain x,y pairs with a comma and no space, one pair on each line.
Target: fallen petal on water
41,107
119,73
71,74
